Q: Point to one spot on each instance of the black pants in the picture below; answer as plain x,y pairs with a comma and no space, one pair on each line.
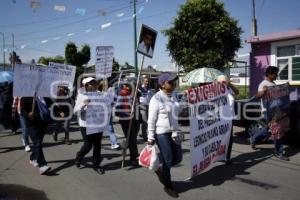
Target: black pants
62,124
132,142
89,142
37,135
228,156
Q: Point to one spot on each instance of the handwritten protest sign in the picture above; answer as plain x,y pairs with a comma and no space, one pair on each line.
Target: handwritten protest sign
30,79
98,112
104,61
210,125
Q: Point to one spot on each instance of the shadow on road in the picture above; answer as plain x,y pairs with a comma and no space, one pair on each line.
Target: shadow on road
16,192
221,173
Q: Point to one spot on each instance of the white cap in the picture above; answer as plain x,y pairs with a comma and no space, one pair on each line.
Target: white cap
86,80
222,78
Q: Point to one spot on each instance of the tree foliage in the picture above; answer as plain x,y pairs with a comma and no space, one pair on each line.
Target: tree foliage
203,35
77,58
45,60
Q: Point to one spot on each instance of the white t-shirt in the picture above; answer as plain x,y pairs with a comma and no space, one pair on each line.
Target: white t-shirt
264,83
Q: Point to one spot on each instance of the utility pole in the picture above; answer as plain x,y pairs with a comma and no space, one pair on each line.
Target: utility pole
13,53
135,37
254,23
3,37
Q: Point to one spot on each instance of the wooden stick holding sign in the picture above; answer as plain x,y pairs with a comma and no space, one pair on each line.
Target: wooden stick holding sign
146,44
125,144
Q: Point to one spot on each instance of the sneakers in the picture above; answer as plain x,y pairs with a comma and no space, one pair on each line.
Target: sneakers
27,148
115,146
99,170
77,163
134,163
33,163
252,144
67,142
281,157
171,192
45,169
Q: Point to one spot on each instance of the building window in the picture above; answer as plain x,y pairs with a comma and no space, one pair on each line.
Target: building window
286,51
296,68
283,65
289,68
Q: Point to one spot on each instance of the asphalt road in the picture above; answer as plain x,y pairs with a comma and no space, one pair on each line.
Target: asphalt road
254,174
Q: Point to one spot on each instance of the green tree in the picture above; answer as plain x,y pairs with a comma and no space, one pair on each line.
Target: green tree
43,60
46,60
77,58
203,35
58,59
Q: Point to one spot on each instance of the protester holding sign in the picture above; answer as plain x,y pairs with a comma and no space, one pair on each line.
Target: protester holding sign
36,126
123,109
163,129
232,92
271,75
90,140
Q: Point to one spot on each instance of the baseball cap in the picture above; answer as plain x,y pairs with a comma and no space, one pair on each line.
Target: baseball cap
166,77
87,80
222,78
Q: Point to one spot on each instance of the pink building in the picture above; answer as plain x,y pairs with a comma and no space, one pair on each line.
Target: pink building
276,49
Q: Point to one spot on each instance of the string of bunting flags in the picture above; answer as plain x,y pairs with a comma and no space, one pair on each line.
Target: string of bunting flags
121,16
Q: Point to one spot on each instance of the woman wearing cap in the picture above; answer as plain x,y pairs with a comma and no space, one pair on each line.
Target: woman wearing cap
91,140
162,129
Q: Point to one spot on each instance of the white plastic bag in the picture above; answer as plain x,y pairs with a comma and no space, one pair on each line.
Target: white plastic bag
149,158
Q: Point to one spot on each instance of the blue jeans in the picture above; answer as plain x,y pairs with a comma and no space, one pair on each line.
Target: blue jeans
263,133
278,146
37,135
171,154
111,132
25,138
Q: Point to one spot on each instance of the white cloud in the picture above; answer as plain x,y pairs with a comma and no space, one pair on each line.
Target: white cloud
106,25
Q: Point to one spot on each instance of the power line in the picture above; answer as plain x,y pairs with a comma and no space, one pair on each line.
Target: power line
116,23
68,24
260,9
52,19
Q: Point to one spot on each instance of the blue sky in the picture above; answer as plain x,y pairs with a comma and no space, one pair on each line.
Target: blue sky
44,32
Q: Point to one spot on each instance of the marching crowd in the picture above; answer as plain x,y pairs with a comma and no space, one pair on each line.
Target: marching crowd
155,113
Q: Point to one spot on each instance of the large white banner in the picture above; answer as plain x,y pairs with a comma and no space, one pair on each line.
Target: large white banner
210,125
42,80
98,112
104,61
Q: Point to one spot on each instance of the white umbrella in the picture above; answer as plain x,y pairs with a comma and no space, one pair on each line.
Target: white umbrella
202,75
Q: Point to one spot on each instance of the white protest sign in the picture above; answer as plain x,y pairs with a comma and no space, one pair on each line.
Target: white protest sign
210,125
98,112
104,61
30,79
